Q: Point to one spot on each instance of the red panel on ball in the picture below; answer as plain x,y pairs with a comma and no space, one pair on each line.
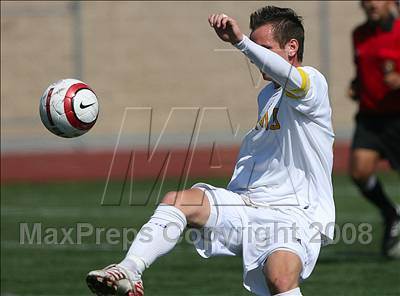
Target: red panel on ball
69,107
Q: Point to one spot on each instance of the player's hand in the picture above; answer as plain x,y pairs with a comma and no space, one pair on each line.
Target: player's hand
226,28
392,80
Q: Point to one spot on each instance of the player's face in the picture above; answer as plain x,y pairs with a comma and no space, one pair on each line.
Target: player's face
376,10
264,36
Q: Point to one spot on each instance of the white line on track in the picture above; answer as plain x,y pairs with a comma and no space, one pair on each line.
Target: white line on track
59,212
75,247
12,245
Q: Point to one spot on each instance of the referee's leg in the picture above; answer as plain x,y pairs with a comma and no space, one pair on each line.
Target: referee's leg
367,149
363,165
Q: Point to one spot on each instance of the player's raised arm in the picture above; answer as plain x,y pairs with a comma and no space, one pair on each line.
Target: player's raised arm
274,65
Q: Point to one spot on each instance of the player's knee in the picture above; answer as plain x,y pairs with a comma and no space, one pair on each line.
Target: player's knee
282,271
362,165
280,283
360,174
182,200
178,199
360,171
175,198
191,203
170,198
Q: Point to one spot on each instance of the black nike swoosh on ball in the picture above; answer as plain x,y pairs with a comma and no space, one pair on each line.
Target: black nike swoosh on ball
85,106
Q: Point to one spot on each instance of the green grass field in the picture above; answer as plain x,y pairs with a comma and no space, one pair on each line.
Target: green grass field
50,269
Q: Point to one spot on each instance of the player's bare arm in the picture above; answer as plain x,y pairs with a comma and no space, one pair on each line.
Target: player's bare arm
276,63
226,28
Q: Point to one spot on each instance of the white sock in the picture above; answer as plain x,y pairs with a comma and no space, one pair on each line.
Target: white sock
293,292
156,238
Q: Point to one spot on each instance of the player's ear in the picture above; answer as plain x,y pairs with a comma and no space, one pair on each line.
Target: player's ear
291,48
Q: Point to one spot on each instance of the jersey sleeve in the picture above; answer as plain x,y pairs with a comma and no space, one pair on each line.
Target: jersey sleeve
294,80
316,101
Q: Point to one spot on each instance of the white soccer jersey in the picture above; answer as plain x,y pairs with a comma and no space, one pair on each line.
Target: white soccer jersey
286,160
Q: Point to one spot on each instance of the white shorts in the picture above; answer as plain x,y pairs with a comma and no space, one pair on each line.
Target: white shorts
237,229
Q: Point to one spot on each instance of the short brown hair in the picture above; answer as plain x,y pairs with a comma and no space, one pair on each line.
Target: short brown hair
285,22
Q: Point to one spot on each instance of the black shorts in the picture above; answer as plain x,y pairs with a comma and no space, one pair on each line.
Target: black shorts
381,134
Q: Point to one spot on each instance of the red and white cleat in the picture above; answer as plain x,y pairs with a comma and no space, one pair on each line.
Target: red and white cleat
115,280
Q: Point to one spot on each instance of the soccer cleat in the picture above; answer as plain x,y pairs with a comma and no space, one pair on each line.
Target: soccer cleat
115,280
391,241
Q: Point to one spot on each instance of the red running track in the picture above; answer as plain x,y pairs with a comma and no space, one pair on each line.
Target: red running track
75,166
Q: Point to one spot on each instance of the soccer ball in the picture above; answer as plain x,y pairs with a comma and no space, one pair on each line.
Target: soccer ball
69,108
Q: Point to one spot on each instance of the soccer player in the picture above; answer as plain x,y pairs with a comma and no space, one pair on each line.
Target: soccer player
278,207
377,89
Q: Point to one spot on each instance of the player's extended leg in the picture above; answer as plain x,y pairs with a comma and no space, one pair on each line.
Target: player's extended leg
363,166
282,272
177,209
156,238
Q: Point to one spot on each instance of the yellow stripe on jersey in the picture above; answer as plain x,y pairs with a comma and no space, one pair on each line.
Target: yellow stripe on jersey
305,86
305,80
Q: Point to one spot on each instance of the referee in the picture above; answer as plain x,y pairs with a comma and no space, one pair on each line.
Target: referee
377,90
